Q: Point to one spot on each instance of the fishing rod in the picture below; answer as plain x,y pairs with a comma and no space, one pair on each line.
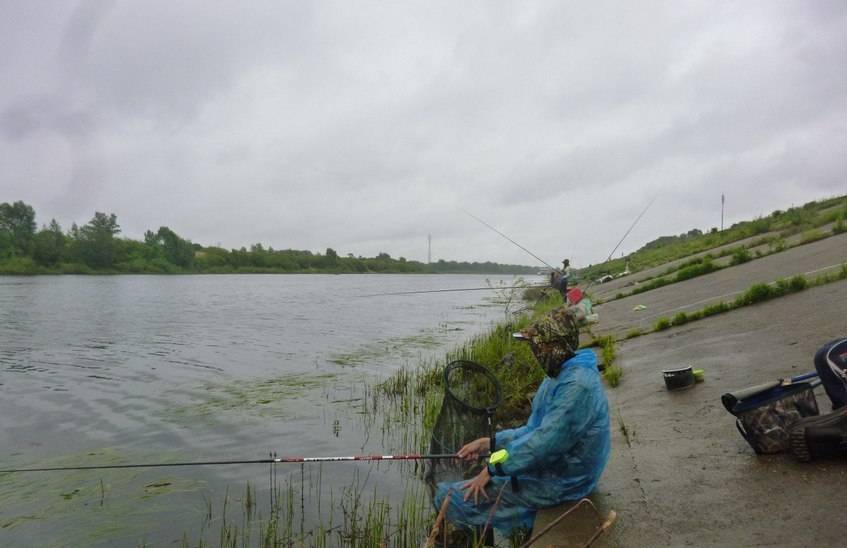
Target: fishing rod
272,460
635,222
488,288
545,263
632,226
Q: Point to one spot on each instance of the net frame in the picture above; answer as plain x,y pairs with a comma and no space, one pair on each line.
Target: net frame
461,419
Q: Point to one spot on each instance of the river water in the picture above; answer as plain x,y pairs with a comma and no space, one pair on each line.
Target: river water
118,369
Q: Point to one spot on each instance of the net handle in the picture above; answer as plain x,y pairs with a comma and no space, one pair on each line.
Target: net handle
473,366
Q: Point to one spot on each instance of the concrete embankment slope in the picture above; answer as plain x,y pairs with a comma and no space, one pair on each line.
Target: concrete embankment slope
626,284
617,317
682,475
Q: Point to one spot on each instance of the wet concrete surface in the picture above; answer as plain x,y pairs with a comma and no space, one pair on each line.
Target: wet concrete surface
681,475
625,284
618,317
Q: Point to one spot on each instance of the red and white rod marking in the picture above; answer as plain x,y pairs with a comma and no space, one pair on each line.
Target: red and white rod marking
409,456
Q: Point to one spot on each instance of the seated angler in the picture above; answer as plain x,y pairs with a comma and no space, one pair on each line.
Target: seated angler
557,456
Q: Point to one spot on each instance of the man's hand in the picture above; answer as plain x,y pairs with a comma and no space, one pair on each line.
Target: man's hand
474,449
476,486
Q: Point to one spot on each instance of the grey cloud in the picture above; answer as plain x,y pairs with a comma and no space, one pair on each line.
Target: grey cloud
44,112
79,33
366,127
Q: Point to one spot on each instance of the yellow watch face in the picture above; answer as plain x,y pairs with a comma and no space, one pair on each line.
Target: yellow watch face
499,457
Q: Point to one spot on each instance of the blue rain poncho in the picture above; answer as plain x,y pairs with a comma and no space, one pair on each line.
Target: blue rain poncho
557,456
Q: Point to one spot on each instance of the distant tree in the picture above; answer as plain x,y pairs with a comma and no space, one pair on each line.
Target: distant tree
49,245
177,250
6,246
168,245
331,257
17,227
97,245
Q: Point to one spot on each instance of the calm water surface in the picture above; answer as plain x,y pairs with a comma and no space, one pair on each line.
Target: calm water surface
151,368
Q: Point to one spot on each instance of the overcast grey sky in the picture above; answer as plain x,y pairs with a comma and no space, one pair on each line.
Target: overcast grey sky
365,126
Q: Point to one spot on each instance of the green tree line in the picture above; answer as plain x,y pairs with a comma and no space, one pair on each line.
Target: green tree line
97,247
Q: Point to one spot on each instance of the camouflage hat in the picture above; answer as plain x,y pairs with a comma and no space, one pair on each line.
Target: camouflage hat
554,338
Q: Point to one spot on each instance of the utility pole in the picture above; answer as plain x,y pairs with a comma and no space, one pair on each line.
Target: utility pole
723,199
429,249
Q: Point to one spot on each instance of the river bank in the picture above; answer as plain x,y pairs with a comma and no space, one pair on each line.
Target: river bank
679,473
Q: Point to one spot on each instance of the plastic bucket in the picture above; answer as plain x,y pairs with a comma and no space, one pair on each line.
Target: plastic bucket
678,379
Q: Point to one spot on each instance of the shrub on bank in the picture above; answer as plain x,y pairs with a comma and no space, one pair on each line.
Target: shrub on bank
613,375
757,293
705,267
812,236
611,371
740,255
662,324
19,265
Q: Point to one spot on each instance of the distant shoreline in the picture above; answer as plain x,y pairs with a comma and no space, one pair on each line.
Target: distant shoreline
117,273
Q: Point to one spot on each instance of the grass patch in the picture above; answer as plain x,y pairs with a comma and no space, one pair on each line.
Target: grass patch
680,318
756,293
613,375
740,255
812,236
612,372
693,271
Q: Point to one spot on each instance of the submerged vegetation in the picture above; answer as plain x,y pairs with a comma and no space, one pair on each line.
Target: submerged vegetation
96,248
403,409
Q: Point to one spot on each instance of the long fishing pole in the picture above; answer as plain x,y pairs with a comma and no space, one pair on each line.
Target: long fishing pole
635,222
545,263
275,460
489,288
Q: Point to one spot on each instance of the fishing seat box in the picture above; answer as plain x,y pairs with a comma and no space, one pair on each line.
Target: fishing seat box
765,414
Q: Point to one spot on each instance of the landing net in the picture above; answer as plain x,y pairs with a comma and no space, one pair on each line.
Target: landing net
471,395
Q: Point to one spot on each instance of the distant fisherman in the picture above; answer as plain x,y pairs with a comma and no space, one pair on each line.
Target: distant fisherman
559,278
564,278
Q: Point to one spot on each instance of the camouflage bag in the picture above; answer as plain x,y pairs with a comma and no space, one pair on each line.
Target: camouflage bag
764,419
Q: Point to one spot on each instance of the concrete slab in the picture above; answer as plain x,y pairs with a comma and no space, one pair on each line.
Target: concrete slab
618,318
626,284
680,474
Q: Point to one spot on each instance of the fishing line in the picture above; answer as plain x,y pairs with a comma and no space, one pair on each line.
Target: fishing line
272,460
545,263
489,288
